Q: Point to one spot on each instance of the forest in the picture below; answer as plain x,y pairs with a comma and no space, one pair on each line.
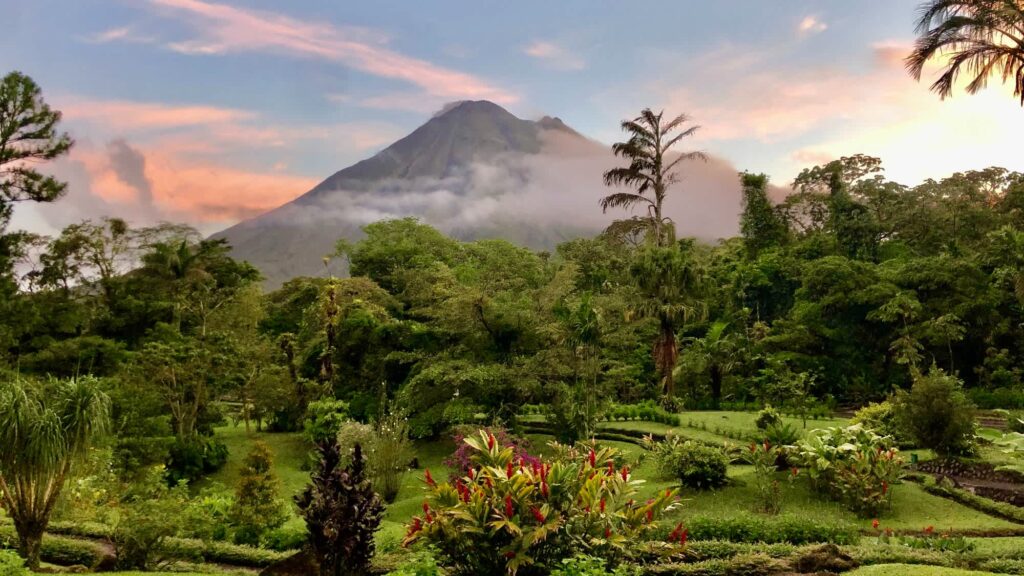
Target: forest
839,387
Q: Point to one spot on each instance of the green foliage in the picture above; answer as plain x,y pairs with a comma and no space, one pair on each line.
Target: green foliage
284,538
937,414
11,564
694,464
853,465
1015,421
782,434
324,418
514,517
591,566
389,453
257,507
342,513
768,416
148,514
195,457
422,563
760,223
881,418
763,457
772,529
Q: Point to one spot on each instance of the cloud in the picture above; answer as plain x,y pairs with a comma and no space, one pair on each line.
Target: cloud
147,184
120,34
134,116
811,25
223,29
555,56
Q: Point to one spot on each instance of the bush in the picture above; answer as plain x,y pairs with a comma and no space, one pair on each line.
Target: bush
781,434
257,507
284,538
1004,398
324,419
1015,421
58,549
768,416
584,565
756,564
388,455
881,418
772,530
11,564
695,465
937,414
342,512
853,465
763,457
506,516
148,514
462,459
190,460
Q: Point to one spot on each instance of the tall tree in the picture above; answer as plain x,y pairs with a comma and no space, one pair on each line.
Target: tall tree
45,429
651,170
760,223
717,352
668,281
981,38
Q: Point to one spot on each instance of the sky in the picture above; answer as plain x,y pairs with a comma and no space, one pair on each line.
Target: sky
213,111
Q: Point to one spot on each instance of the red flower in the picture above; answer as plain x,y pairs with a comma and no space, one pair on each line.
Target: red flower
490,441
602,505
650,515
415,527
885,487
489,483
426,507
874,523
544,489
537,515
611,468
676,532
472,473
607,533
510,554
508,506
929,529
593,459
625,473
753,447
684,536
508,469
429,478
795,471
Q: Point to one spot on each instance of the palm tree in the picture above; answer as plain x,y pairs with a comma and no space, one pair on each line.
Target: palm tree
668,281
718,354
982,38
44,430
650,172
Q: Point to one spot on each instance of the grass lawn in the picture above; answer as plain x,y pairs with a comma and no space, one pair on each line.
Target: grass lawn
913,508
904,569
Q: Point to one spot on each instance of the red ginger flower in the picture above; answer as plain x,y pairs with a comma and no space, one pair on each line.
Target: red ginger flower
593,459
508,506
490,441
429,478
607,533
602,505
537,514
508,469
874,523
625,473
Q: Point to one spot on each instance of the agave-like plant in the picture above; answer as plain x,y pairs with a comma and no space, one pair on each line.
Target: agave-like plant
982,38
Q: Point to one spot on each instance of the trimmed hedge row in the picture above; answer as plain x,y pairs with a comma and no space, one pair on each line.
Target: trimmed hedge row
60,549
990,507
756,564
786,529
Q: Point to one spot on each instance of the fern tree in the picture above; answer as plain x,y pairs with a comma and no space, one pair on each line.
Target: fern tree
651,171
980,38
342,513
45,429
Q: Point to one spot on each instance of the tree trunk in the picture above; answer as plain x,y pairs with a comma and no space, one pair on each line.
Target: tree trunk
30,542
665,355
716,387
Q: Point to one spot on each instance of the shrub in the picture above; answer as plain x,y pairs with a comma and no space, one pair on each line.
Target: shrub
881,417
462,459
342,513
1015,421
257,507
59,550
772,530
189,460
284,538
695,465
506,516
584,565
763,456
782,434
11,564
937,414
421,563
147,516
853,465
768,416
389,453
324,419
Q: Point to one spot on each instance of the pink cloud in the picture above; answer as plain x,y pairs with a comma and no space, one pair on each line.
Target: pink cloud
225,29
126,115
555,55
811,25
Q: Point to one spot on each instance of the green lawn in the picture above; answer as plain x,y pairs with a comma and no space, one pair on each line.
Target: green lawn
905,569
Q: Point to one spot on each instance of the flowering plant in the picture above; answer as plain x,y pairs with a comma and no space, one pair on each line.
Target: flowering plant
508,515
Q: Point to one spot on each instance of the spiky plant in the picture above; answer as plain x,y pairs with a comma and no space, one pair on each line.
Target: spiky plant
651,169
981,38
342,513
45,429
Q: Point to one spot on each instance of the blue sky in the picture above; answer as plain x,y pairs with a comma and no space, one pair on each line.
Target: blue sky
210,111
